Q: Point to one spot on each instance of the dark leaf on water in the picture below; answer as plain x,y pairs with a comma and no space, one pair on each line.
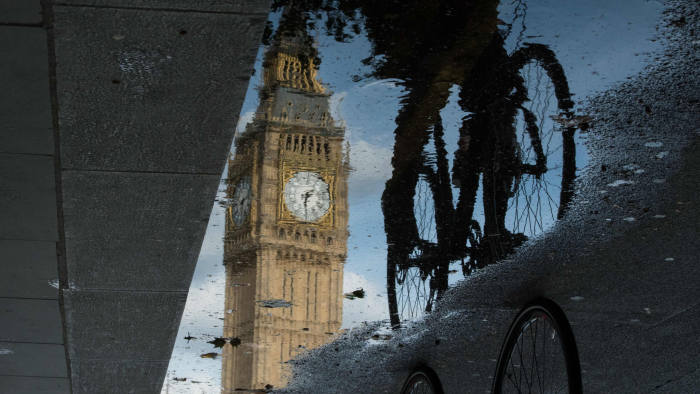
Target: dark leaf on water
359,293
209,355
218,342
235,341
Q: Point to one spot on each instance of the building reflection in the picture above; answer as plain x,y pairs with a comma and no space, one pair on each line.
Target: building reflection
286,224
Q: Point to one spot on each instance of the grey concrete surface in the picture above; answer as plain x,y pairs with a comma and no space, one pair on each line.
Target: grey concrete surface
129,325
146,203
32,360
28,268
33,385
118,376
686,384
148,95
130,239
27,197
219,6
32,321
121,341
25,121
151,91
20,12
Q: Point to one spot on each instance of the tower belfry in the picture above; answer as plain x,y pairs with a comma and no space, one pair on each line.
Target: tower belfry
286,224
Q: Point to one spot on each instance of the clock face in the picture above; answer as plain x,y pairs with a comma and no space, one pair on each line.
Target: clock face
240,203
307,196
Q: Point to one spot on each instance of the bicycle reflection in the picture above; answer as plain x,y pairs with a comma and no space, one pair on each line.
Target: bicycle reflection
513,172
511,159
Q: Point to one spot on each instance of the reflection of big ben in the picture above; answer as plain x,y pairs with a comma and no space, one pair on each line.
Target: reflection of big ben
286,228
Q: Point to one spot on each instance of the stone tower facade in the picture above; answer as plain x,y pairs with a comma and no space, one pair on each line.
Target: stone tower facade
286,225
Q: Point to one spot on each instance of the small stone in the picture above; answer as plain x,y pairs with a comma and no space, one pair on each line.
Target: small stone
629,219
669,259
661,155
659,216
658,180
621,182
576,298
654,144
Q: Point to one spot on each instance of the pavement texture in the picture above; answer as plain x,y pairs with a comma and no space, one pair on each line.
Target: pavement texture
117,118
623,264
32,351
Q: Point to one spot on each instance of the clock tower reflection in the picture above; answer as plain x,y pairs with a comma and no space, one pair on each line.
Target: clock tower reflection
286,225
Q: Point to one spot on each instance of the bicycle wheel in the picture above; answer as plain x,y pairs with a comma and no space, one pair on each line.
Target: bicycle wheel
511,146
539,354
412,281
422,381
546,149
418,275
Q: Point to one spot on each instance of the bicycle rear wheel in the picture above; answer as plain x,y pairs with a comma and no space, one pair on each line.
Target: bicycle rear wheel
417,274
422,381
539,354
411,272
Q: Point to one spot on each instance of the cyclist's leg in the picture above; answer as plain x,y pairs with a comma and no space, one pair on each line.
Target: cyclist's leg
416,117
465,175
442,192
414,121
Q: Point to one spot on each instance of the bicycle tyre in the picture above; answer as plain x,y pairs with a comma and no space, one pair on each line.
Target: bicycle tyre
558,321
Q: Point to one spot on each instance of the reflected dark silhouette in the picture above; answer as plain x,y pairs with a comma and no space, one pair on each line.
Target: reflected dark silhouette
508,146
426,228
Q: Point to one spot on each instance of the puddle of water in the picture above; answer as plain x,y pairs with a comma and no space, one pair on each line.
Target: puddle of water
397,175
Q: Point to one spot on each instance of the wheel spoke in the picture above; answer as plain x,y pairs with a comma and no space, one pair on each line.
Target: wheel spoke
536,359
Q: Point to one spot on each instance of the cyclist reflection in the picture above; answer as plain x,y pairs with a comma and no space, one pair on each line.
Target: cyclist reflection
504,150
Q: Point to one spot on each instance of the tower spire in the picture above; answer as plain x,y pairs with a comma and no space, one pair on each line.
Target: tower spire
292,60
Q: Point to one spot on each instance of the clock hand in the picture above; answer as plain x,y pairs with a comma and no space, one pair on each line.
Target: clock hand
306,200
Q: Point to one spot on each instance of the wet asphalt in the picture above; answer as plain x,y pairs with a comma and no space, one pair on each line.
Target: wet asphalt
623,263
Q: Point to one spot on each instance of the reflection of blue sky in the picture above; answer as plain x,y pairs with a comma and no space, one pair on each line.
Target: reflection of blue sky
597,42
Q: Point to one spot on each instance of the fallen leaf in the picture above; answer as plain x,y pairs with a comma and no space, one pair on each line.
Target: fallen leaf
359,293
218,342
